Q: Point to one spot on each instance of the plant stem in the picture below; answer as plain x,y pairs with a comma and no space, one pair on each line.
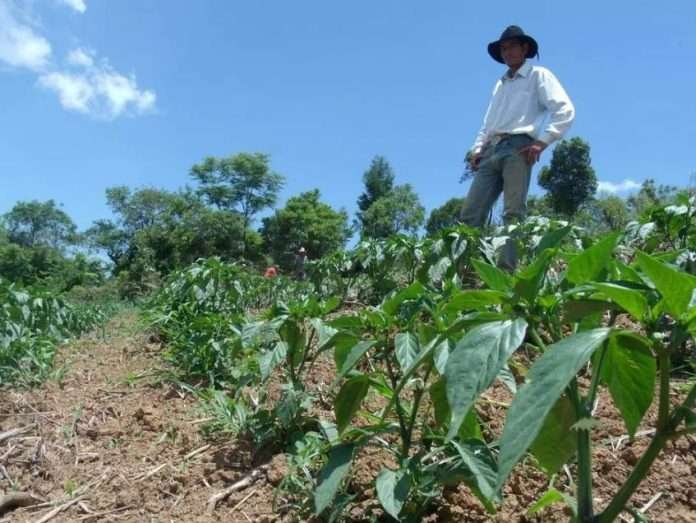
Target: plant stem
416,404
537,339
663,406
595,377
398,407
584,484
410,372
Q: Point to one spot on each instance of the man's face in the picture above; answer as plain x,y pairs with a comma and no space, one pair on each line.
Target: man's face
513,52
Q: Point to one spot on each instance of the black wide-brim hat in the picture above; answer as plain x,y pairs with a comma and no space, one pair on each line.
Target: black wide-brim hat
513,32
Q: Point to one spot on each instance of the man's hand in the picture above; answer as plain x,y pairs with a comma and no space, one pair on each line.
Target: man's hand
474,161
532,152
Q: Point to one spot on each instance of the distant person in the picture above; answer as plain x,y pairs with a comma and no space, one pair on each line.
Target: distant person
513,134
271,272
300,260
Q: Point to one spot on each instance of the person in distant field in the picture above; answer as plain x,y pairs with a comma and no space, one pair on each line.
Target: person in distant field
529,110
300,260
271,272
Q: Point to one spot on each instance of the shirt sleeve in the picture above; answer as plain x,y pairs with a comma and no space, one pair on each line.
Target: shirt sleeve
554,98
483,132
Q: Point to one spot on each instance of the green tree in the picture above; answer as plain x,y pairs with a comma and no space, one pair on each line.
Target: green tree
379,182
307,222
650,195
445,216
135,211
398,212
35,223
570,178
244,183
603,215
157,230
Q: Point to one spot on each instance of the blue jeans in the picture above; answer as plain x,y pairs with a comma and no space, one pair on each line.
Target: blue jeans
502,169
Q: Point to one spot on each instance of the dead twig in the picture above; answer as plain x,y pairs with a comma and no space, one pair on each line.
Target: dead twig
199,421
105,513
15,500
16,432
8,453
196,452
152,472
616,443
239,485
243,500
60,508
650,503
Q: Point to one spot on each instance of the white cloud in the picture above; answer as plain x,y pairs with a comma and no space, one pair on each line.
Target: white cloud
97,89
20,46
613,188
84,82
78,5
74,91
80,57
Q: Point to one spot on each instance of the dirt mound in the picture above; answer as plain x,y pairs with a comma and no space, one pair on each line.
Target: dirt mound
109,442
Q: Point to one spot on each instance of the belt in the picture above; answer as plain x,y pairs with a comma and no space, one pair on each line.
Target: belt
497,138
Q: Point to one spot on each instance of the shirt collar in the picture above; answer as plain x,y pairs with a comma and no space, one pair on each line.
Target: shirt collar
522,71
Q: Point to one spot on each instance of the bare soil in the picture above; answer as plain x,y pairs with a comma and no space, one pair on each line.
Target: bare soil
110,441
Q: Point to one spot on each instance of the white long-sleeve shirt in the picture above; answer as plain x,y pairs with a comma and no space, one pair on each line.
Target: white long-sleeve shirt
520,105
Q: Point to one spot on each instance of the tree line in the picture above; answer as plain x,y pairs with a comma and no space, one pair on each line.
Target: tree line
155,231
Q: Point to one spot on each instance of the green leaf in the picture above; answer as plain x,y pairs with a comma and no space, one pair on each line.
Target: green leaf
587,423
270,359
629,370
528,281
676,287
347,323
478,459
294,336
438,396
470,427
495,278
458,247
576,310
552,239
324,332
508,379
347,355
690,420
343,342
467,300
476,361
626,273
550,497
441,355
331,476
631,300
392,304
392,490
406,347
556,443
590,263
546,381
349,399
438,270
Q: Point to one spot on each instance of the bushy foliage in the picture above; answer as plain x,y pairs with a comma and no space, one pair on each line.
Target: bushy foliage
307,222
32,324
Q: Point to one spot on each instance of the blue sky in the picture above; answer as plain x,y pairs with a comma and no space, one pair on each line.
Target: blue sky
100,93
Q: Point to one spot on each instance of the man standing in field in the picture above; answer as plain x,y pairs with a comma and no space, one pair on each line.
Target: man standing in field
300,260
529,110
